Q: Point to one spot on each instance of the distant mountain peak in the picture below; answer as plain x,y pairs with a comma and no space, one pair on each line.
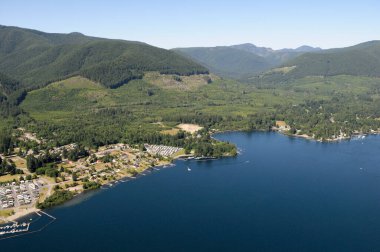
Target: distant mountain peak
306,48
76,34
301,49
242,60
260,51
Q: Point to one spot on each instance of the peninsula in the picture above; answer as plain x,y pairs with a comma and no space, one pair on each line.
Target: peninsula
48,177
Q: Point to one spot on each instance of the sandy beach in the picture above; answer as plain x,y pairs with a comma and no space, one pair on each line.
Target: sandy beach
20,213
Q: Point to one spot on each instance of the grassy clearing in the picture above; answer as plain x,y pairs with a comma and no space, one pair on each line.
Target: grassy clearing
179,153
76,82
6,212
171,132
9,178
19,162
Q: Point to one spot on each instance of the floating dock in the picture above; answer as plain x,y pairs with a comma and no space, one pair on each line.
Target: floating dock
23,228
15,228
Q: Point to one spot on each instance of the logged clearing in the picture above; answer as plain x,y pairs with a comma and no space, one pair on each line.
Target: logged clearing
169,81
192,128
282,69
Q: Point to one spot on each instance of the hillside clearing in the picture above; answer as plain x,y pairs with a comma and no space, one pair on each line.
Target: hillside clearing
170,81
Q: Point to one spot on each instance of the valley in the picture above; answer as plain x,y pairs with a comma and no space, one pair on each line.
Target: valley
66,99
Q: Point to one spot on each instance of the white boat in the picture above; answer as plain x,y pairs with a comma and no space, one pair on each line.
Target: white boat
188,168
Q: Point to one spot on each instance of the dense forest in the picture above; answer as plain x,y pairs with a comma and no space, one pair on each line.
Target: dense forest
94,108
8,167
57,198
11,95
38,58
325,119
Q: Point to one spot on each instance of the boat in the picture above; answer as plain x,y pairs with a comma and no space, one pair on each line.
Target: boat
204,158
188,169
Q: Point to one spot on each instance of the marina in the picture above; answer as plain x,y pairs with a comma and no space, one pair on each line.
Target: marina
27,225
14,228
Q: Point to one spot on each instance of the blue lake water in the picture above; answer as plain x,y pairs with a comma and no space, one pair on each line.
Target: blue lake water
279,194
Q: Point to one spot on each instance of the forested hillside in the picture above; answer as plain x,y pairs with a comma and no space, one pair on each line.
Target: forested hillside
227,61
70,81
242,61
276,57
11,94
37,58
358,60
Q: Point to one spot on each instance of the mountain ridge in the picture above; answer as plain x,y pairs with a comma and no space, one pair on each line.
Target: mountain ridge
359,60
37,58
254,59
226,61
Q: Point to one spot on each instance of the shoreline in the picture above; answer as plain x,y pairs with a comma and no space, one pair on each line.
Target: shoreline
304,136
22,212
329,140
19,213
125,178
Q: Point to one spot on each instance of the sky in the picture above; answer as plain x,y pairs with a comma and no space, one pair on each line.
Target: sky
183,23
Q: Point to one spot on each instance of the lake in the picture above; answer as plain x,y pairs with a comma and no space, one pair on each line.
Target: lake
279,194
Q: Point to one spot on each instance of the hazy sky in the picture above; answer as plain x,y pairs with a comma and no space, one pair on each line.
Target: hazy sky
181,23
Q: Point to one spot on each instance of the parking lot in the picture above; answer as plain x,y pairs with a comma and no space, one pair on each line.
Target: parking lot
19,194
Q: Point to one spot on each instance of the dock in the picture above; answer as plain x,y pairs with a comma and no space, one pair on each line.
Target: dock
14,228
19,229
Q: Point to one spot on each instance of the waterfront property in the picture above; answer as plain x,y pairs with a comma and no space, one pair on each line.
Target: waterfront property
23,193
162,150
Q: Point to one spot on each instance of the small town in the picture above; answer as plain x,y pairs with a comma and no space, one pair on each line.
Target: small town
37,175
25,193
